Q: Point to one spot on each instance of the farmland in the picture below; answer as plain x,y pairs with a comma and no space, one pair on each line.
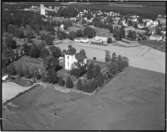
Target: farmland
134,99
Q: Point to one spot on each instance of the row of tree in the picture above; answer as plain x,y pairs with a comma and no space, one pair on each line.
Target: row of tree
87,32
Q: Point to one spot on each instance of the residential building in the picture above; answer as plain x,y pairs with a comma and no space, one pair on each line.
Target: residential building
155,37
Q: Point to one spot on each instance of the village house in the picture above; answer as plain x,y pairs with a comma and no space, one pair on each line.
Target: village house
99,40
155,37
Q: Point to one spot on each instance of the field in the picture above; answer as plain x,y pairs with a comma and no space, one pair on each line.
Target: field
154,44
140,56
134,99
145,9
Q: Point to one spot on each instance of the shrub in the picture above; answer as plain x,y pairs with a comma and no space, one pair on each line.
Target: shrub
109,40
34,51
69,82
89,32
52,76
79,84
89,86
79,33
100,80
11,69
44,53
72,35
61,82
89,71
48,38
107,56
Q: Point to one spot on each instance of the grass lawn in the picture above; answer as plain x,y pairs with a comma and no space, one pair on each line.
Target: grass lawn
154,44
134,99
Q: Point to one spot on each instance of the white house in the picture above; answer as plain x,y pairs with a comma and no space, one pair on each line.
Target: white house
81,40
101,39
70,60
155,37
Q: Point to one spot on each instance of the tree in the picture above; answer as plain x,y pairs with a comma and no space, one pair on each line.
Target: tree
10,42
34,51
52,76
48,38
11,69
122,32
89,71
61,82
111,29
79,84
107,56
26,49
100,79
61,35
56,51
114,57
131,35
69,82
140,19
114,67
158,31
117,34
109,20
96,70
44,53
79,33
109,40
120,63
89,32
71,50
72,35
81,56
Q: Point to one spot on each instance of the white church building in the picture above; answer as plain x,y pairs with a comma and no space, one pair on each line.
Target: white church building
42,10
70,60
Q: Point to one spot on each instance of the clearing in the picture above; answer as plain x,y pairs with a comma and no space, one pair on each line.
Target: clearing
140,56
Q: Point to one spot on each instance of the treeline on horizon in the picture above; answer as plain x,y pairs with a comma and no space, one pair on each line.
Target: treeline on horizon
149,9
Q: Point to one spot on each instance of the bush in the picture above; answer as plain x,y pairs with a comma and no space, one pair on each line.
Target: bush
52,76
69,83
34,51
109,40
10,42
89,86
79,33
11,69
89,32
61,35
72,35
44,53
100,80
107,56
48,38
79,84
61,82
